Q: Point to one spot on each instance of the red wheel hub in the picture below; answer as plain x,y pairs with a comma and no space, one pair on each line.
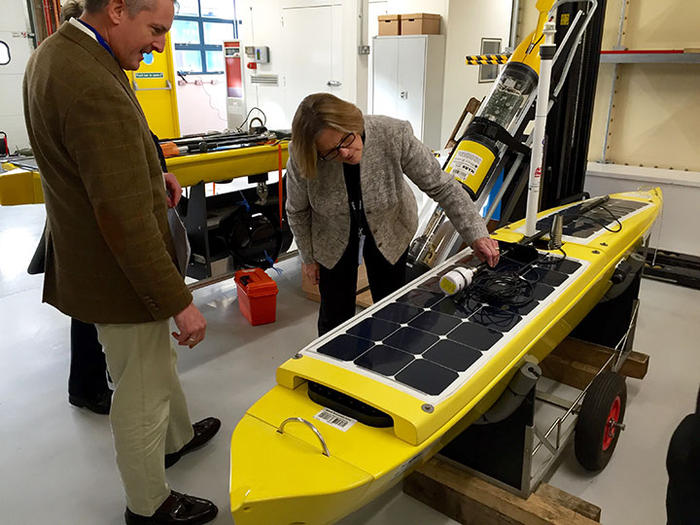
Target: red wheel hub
611,425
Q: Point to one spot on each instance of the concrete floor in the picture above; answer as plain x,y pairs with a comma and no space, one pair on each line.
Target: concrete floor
57,464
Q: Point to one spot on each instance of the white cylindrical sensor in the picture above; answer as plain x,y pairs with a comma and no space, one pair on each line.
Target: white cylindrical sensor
456,280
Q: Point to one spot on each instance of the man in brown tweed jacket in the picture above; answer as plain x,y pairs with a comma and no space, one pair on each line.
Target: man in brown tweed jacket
110,259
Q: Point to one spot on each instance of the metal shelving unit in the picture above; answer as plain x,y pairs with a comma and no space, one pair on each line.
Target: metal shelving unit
649,57
619,55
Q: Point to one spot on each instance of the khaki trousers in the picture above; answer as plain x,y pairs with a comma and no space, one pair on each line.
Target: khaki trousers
149,414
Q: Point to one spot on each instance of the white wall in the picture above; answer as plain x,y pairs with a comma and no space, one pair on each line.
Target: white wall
13,22
469,21
201,103
464,22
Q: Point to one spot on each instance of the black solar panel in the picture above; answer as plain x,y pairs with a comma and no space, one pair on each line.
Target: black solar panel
411,340
544,275
421,298
501,319
559,264
384,360
435,322
475,335
452,355
398,312
373,329
462,309
426,376
593,220
425,339
345,347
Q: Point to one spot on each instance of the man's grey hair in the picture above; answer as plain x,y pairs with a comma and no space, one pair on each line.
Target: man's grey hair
134,6
72,9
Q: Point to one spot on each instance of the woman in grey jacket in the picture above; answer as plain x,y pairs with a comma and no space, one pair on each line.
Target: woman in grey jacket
347,199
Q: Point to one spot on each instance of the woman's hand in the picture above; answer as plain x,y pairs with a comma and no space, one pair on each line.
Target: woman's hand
311,272
486,249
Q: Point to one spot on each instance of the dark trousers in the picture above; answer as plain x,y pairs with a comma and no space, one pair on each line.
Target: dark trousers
338,285
88,369
683,466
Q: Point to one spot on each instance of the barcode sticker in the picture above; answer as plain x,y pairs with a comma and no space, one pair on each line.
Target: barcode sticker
334,419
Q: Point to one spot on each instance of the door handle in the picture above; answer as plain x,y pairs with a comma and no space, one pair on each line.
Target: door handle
334,83
168,87
403,95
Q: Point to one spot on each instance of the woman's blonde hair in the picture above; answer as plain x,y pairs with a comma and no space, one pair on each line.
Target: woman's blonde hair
316,112
72,9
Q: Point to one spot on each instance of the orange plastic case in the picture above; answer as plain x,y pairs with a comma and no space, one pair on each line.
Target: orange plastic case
257,296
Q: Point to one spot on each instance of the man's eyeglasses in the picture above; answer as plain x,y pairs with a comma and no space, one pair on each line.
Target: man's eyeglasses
333,153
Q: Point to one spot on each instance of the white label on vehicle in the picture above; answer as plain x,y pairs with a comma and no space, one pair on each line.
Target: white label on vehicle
464,164
332,418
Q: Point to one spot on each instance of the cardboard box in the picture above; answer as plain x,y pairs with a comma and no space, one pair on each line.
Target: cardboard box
364,297
389,25
420,24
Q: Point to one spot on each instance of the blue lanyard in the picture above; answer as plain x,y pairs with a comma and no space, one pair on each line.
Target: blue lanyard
100,40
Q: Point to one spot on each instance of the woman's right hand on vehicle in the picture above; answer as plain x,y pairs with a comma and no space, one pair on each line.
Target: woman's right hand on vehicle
311,271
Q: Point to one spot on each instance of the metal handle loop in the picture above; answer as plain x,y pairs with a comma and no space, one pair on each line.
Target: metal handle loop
168,87
280,430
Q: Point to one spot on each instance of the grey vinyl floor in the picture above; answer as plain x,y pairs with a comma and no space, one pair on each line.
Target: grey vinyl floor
57,464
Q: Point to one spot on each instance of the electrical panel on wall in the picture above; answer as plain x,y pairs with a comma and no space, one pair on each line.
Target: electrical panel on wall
235,91
259,55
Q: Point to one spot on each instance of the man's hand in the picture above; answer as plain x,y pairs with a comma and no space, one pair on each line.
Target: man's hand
192,326
311,271
486,249
173,189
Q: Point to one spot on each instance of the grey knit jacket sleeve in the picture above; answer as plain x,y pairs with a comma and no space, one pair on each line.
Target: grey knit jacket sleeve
299,211
421,166
318,210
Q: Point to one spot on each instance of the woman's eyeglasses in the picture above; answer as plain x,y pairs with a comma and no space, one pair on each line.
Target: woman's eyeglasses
333,153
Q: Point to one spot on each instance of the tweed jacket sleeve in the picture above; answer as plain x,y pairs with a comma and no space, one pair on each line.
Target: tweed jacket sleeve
114,171
299,212
419,165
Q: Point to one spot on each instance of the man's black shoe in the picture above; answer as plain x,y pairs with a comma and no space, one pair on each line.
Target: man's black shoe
178,509
204,430
100,404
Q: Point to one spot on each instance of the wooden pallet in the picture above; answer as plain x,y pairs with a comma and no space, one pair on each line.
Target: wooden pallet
450,489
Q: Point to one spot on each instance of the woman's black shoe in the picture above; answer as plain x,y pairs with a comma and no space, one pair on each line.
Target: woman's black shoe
178,509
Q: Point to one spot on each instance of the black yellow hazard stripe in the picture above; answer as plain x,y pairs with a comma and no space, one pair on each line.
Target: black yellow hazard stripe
477,60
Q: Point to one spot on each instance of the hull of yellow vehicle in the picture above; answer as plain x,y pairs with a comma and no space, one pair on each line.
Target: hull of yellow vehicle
285,478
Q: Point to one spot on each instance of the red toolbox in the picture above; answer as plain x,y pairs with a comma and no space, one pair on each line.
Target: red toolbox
257,296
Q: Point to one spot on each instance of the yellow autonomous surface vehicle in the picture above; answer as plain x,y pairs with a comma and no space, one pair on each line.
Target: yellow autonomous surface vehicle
361,407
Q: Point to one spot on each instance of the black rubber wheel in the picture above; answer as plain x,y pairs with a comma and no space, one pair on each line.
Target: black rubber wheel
596,431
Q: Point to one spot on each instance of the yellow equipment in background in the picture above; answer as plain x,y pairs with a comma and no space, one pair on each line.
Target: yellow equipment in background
19,185
503,111
154,83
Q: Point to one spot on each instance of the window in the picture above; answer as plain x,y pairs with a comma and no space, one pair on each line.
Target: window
489,46
198,33
4,53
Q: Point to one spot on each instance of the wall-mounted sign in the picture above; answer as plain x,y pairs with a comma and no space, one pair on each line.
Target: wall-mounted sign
148,75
